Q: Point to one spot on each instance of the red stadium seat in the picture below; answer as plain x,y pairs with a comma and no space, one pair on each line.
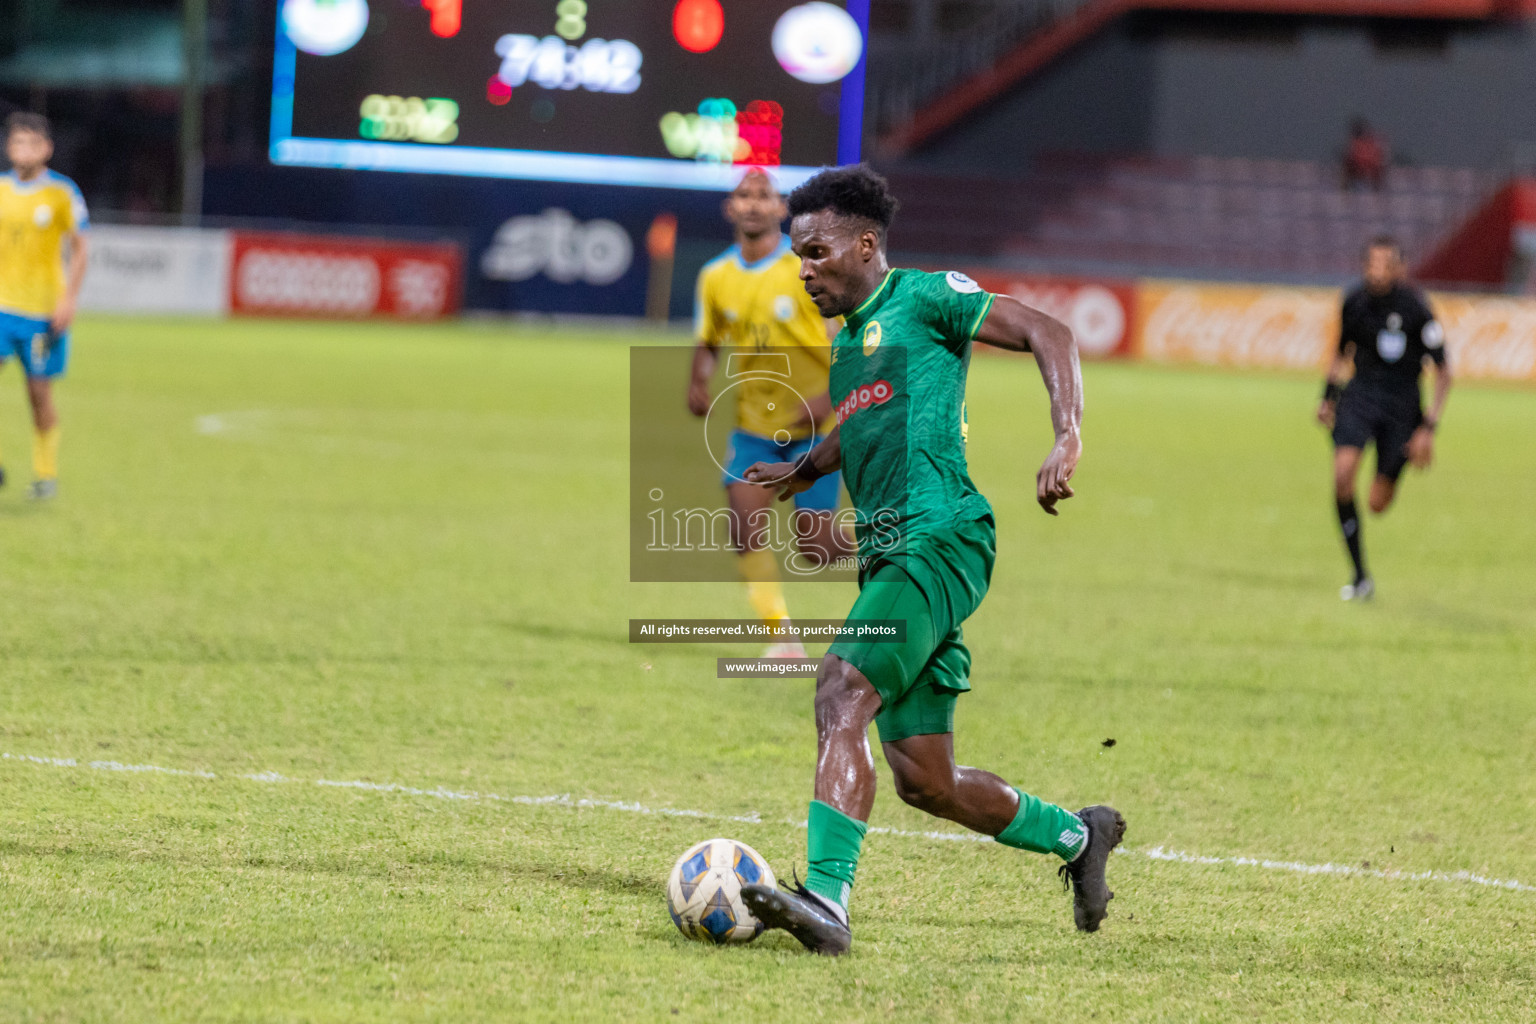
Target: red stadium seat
1205,215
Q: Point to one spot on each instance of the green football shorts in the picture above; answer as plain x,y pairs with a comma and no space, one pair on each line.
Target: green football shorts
934,586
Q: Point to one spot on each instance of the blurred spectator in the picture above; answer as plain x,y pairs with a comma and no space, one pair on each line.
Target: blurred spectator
1365,160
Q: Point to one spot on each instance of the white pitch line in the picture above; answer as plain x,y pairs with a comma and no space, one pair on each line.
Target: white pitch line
1300,868
1157,853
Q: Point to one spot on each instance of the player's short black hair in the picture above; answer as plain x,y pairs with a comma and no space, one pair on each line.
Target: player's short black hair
853,191
25,121
1385,241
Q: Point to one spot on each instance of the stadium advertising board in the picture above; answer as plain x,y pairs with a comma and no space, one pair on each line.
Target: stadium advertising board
558,261
157,270
1236,325
581,253
1488,337
348,278
670,93
1100,312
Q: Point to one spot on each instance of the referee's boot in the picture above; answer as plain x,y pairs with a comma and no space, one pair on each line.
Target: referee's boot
1085,875
1362,589
799,912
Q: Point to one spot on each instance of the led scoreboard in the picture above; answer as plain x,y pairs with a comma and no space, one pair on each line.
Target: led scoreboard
676,93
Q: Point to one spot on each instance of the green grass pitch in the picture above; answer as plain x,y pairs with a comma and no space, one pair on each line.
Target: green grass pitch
397,555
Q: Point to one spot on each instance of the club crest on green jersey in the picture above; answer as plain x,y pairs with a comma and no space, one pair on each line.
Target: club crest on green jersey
871,337
961,283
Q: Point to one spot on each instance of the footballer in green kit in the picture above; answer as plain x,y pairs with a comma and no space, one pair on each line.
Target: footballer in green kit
926,546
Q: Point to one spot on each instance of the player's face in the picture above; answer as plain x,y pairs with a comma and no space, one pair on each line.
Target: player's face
836,256
27,151
755,208
1383,266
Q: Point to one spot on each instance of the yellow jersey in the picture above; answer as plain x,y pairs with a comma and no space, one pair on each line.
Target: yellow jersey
35,218
781,347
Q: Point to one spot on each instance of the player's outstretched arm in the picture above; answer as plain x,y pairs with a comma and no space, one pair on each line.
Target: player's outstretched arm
1442,392
1333,386
790,478
1421,447
74,277
704,360
1012,325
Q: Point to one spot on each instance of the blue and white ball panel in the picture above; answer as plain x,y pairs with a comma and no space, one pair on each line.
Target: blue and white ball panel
719,919
749,869
704,891
692,872
747,448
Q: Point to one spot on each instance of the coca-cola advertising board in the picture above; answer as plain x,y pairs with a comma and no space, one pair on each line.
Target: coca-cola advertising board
1487,337
1236,325
1100,312
281,274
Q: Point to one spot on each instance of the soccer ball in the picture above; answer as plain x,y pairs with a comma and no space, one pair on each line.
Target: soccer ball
704,891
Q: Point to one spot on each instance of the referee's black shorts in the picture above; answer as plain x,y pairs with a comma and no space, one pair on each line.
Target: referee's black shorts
1373,414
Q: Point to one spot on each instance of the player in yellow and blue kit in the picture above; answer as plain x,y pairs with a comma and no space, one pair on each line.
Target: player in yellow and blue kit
42,218
750,300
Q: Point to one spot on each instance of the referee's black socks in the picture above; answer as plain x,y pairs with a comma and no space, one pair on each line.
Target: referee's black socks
1349,523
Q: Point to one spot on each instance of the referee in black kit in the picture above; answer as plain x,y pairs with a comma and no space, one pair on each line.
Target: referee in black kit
1387,332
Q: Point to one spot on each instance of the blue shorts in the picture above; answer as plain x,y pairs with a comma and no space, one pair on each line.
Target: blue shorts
30,339
747,448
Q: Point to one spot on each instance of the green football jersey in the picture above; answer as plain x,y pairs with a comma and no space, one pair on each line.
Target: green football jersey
897,384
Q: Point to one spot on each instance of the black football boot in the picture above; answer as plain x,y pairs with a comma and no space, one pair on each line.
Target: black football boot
1085,875
801,914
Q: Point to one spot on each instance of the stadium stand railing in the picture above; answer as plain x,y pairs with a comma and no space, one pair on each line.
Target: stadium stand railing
910,78
923,87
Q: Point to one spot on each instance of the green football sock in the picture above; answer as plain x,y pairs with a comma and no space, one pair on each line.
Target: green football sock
1044,828
832,852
